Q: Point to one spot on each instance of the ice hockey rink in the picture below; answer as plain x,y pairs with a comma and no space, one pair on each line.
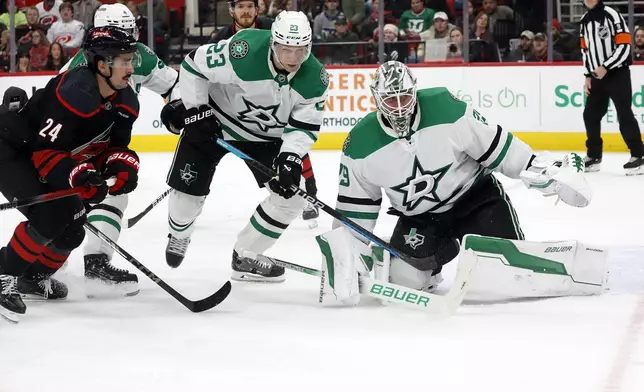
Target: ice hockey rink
278,338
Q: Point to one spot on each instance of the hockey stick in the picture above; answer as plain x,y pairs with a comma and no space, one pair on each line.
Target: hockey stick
133,220
381,290
41,198
427,263
194,306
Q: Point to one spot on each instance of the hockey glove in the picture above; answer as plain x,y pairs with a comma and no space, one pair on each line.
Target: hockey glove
86,175
172,116
201,125
288,166
124,166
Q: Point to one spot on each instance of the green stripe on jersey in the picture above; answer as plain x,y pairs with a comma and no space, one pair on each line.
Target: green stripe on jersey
503,152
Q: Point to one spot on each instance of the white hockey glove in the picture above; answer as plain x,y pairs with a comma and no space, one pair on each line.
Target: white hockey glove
563,178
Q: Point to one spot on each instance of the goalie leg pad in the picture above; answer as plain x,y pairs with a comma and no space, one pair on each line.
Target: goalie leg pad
106,217
344,258
183,210
513,268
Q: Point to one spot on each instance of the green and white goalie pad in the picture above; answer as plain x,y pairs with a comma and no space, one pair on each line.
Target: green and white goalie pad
525,269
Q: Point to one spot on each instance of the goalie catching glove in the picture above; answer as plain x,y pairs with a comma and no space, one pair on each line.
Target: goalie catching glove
563,178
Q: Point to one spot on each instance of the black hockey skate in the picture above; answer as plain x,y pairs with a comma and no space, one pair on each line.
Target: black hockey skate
246,269
634,166
11,304
175,251
41,287
99,269
592,164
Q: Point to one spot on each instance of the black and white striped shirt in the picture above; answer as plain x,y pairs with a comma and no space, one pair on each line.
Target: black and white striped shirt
605,39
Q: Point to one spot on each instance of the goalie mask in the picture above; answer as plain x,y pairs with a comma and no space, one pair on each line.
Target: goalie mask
394,90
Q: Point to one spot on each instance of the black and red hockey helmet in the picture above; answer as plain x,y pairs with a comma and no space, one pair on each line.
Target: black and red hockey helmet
105,43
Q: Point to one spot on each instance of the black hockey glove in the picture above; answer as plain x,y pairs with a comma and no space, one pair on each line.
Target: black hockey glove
201,125
288,166
124,166
172,116
86,175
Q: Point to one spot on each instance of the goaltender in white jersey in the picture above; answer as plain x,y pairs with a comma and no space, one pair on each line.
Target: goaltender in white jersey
433,155
262,91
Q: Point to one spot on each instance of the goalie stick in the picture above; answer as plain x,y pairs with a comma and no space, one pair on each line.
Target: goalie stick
433,303
133,220
420,263
194,306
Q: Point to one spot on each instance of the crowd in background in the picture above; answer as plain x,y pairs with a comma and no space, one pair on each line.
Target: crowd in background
49,32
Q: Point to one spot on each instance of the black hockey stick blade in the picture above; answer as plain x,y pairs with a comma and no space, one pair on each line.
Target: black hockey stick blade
193,306
134,220
426,263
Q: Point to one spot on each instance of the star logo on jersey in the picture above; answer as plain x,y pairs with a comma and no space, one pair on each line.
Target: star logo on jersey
421,185
265,117
413,239
187,174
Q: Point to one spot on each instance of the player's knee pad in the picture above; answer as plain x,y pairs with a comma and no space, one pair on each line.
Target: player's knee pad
281,209
71,238
183,209
404,274
52,218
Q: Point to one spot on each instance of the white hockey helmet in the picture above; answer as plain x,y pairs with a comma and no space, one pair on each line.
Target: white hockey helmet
291,39
117,15
394,90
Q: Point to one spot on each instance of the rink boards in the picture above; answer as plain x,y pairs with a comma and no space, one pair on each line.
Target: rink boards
543,105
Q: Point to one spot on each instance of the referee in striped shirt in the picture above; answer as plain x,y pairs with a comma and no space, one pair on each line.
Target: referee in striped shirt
606,52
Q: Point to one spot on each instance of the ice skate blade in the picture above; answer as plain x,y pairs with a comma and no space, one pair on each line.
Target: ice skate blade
8,315
96,288
636,171
593,169
254,278
38,298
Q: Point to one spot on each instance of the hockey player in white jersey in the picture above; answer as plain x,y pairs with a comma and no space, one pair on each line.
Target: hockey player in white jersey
433,155
149,72
262,91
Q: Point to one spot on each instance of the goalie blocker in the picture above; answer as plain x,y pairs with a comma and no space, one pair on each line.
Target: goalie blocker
506,268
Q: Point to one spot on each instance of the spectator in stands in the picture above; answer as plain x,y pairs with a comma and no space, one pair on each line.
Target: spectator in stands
436,39
396,7
394,50
33,23
84,11
276,7
48,12
565,42
540,50
520,54
367,28
56,58
22,63
638,48
496,12
341,54
482,45
324,23
416,20
354,10
455,48
39,50
470,16
261,8
67,31
19,17
4,50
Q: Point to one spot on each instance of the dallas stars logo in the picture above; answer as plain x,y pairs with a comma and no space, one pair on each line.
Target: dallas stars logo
413,239
265,117
188,175
421,185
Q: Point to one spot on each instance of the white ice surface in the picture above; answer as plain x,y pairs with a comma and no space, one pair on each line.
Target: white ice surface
277,338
